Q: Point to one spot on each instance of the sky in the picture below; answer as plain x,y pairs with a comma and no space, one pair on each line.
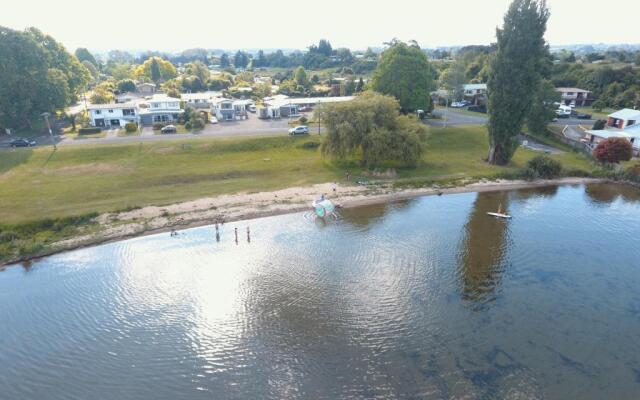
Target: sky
251,24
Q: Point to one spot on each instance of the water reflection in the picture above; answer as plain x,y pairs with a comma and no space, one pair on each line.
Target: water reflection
363,217
391,301
483,247
608,193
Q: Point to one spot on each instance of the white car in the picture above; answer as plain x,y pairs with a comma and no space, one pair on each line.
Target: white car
213,120
299,130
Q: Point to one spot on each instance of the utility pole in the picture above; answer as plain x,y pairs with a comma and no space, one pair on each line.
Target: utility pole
46,118
319,115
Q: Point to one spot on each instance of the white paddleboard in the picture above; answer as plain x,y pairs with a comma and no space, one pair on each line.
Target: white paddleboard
498,215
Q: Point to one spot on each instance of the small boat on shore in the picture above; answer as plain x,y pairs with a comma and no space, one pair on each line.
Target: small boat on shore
323,207
499,214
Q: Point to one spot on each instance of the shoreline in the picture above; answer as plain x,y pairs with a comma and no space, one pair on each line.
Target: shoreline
153,220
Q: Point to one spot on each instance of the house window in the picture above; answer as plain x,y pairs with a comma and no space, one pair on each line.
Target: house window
111,111
98,112
128,112
631,122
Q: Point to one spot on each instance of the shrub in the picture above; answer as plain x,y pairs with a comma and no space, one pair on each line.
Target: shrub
131,127
309,145
89,131
158,125
598,105
613,150
633,173
196,123
543,167
599,125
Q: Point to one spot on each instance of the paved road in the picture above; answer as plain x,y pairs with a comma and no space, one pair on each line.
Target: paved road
451,117
250,127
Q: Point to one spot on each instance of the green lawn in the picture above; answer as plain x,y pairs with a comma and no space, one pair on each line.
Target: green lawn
76,180
604,114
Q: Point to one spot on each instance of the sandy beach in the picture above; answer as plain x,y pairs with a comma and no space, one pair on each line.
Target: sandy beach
228,208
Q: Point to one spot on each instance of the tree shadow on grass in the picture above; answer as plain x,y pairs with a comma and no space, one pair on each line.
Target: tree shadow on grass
10,159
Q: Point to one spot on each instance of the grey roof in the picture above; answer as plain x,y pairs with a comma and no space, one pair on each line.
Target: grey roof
112,106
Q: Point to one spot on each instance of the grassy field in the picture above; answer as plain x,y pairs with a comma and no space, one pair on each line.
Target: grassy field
75,180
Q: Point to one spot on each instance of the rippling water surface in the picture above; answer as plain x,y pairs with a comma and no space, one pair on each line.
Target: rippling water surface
428,298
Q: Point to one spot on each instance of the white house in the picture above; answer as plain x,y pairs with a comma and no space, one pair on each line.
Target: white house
113,115
161,108
475,93
624,123
284,106
225,109
200,100
575,97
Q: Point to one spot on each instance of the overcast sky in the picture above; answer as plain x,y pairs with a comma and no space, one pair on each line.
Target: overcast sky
175,25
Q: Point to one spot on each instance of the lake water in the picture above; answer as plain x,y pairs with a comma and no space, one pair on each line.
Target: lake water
428,298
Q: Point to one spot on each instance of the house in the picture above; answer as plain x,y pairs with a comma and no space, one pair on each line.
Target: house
623,119
161,108
575,97
284,106
202,100
146,89
113,115
475,93
624,123
223,109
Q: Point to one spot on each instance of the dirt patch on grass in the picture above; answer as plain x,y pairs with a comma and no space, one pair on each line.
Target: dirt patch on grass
94,168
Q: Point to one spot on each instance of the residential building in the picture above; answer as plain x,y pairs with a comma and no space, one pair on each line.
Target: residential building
146,89
113,115
202,100
575,97
161,108
624,123
223,109
284,106
475,93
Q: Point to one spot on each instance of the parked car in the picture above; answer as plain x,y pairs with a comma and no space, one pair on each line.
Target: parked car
583,116
169,129
22,143
213,120
305,109
299,130
459,104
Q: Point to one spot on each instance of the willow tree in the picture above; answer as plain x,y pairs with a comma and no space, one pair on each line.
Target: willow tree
515,75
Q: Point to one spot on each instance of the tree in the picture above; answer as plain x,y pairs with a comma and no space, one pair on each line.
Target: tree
84,55
405,73
598,105
300,77
102,94
324,48
198,69
543,107
453,80
370,125
92,69
613,150
515,75
156,69
224,61
37,75
241,59
126,85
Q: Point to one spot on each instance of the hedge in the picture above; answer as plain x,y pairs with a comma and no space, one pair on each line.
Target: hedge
89,131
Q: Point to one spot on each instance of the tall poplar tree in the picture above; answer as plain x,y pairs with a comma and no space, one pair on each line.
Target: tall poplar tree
515,75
